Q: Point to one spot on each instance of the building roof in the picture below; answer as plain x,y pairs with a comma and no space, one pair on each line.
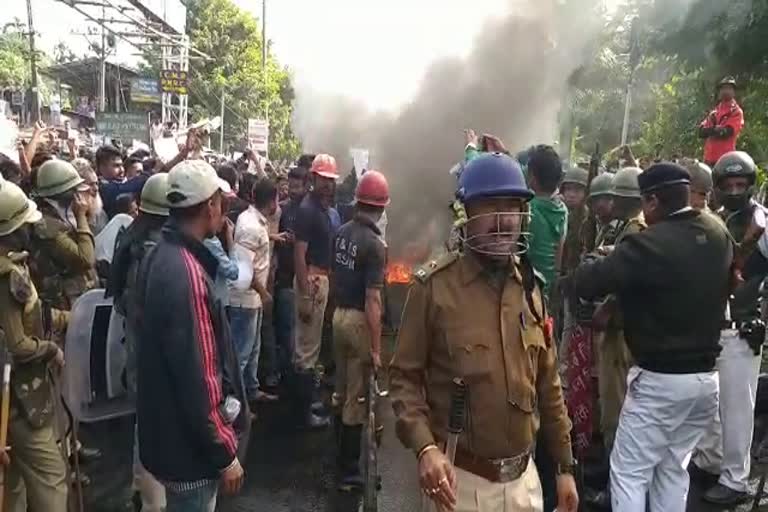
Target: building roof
84,74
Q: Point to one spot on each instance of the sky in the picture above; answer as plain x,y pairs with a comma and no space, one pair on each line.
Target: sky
368,50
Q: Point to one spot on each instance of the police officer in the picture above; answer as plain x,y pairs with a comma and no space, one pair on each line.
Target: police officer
480,316
63,257
37,474
701,183
600,204
63,260
726,448
574,191
672,322
359,259
143,234
614,358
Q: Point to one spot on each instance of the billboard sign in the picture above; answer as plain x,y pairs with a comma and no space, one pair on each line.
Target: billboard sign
258,134
174,81
145,90
126,126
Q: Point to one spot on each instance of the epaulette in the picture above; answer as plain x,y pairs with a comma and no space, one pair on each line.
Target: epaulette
424,273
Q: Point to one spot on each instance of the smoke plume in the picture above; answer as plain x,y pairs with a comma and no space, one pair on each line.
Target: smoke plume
510,85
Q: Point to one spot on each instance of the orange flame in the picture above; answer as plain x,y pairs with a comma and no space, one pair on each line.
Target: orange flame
398,273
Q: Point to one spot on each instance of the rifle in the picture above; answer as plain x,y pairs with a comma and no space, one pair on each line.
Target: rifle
590,228
5,414
456,421
371,464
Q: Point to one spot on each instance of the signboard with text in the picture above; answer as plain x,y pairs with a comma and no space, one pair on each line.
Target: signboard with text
125,126
145,90
174,81
258,134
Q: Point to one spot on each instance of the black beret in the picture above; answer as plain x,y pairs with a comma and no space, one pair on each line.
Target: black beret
663,174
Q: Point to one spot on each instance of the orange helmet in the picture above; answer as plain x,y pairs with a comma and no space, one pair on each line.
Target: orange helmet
325,166
372,189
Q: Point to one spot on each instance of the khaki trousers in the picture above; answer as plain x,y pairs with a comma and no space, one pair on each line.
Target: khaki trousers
613,366
309,334
352,347
37,476
476,494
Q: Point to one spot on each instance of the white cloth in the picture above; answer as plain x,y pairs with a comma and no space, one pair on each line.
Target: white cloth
251,251
663,418
104,242
725,449
476,494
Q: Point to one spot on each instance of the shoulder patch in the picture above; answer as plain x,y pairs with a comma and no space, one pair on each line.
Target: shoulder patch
22,288
48,228
424,273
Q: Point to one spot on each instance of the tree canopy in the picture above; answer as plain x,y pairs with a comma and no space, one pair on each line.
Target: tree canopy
685,48
232,37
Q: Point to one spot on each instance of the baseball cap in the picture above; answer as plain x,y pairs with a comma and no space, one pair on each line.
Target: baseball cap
192,182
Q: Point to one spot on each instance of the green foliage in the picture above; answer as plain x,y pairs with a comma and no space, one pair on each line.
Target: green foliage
14,68
233,39
686,47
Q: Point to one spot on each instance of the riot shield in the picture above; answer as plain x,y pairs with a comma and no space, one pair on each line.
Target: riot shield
94,376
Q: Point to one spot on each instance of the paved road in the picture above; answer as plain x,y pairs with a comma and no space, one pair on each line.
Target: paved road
287,471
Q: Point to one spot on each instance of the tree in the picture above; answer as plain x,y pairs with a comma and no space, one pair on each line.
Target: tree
232,37
14,65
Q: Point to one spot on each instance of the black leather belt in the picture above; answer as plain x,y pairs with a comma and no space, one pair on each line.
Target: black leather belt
493,470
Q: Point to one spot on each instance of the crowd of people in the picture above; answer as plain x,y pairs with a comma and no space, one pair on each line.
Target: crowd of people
589,315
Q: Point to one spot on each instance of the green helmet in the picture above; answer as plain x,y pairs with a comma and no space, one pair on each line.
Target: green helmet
602,185
625,182
576,175
153,195
701,175
736,164
16,209
55,177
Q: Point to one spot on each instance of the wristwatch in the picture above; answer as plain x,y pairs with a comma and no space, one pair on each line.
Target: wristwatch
566,469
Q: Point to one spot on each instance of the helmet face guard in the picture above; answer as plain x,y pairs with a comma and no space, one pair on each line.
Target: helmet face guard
501,241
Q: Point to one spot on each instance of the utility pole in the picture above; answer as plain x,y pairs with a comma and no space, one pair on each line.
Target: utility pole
33,64
221,128
264,63
634,60
103,73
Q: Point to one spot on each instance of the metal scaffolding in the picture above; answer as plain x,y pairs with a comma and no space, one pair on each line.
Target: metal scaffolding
176,58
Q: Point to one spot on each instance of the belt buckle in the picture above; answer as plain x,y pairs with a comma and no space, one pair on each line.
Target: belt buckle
509,469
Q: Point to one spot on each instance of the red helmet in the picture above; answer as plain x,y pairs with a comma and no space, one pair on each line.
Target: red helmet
372,189
325,166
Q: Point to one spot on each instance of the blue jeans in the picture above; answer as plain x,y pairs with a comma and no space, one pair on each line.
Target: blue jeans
245,325
198,500
284,313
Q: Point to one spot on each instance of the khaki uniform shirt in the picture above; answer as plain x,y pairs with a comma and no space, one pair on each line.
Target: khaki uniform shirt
456,323
63,260
21,332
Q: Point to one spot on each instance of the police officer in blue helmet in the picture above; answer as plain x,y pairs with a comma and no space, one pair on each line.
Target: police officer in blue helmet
479,316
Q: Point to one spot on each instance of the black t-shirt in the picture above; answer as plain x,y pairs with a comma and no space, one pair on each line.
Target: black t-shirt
313,226
358,263
284,252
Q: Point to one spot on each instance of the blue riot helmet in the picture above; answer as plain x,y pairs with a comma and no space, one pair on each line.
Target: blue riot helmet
495,175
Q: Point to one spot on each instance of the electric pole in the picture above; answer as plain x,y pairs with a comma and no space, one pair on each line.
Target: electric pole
264,63
103,73
221,128
33,64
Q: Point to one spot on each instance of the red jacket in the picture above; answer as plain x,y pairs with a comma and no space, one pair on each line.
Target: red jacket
727,113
